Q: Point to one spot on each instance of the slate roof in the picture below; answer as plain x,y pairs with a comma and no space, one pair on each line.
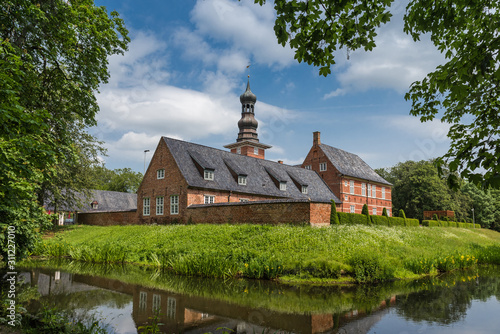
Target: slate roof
350,164
107,201
263,176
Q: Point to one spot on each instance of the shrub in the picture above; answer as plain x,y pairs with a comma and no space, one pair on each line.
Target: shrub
380,220
334,218
435,217
396,221
364,211
401,214
452,224
426,222
367,267
412,222
351,218
384,212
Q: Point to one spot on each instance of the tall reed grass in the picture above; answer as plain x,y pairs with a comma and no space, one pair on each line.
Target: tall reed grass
356,252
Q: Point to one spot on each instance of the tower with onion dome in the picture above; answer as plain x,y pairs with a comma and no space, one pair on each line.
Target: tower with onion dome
247,142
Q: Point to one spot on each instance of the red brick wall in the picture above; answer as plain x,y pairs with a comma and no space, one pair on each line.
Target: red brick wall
249,151
317,214
172,184
336,182
108,218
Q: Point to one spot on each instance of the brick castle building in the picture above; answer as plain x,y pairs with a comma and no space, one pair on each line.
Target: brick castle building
187,182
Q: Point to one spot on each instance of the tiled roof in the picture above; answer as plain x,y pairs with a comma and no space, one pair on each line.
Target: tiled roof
260,173
350,164
107,201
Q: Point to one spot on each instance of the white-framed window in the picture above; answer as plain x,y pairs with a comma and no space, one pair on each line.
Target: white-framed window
283,185
353,208
174,204
171,305
351,187
374,191
242,180
256,150
369,190
143,299
244,200
304,189
374,211
160,174
322,166
389,212
346,198
209,199
345,183
146,206
208,175
363,189
156,302
238,150
383,192
307,167
159,205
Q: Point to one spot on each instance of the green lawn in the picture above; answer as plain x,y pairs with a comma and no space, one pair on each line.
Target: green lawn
339,253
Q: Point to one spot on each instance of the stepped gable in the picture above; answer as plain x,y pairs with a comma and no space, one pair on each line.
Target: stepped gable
193,158
350,164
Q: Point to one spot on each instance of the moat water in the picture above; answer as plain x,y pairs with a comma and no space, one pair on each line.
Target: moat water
127,297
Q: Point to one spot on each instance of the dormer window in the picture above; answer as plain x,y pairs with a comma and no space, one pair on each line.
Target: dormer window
209,174
322,167
304,189
94,205
242,180
160,174
307,167
283,185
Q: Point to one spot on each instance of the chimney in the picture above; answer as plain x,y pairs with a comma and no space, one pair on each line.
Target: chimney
316,138
280,161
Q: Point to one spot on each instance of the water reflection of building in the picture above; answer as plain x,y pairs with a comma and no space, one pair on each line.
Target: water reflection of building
193,314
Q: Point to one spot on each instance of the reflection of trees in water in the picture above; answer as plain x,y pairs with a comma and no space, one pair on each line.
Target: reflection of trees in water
446,300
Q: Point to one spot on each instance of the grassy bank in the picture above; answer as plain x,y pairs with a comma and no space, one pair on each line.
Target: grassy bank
339,253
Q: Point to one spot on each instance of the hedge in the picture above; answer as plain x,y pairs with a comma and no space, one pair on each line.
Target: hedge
351,218
396,221
412,222
380,220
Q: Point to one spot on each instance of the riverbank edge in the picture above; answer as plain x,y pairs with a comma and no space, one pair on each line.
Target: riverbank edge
344,272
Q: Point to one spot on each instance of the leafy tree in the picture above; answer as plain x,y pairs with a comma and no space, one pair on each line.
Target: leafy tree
53,57
334,218
417,187
123,179
464,90
485,205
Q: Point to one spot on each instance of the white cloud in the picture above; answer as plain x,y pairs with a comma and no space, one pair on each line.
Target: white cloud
395,63
245,27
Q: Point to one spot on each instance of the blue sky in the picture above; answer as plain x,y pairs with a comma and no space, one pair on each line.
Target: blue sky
187,65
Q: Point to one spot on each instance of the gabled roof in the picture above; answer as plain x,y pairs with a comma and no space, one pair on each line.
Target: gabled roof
259,180
350,164
107,201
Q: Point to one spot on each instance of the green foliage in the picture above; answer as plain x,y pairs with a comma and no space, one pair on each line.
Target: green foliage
352,218
334,218
368,267
412,222
380,220
123,179
364,211
316,29
269,252
462,91
51,64
401,214
396,221
435,217
384,212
